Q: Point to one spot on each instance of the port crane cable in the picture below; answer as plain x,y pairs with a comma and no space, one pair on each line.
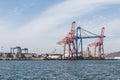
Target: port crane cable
89,32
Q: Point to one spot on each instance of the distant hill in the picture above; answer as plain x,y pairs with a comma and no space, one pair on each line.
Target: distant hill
113,54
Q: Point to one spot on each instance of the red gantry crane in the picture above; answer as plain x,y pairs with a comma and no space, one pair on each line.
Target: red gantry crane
98,46
68,42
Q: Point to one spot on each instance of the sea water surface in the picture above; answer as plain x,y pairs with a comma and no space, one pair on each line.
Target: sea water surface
60,70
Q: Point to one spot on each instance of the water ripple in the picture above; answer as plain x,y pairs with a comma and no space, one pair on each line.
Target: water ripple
60,70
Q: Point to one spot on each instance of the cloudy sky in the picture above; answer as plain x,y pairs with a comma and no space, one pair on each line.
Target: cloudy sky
39,24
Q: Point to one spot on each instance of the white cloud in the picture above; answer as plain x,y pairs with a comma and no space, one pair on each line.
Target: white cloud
63,12
42,31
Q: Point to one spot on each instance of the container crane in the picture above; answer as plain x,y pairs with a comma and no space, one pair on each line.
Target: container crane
68,41
25,50
99,44
83,34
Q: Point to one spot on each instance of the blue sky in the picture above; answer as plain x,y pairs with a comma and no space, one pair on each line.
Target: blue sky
22,11
39,24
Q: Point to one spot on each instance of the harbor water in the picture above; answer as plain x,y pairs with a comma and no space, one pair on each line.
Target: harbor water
60,70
